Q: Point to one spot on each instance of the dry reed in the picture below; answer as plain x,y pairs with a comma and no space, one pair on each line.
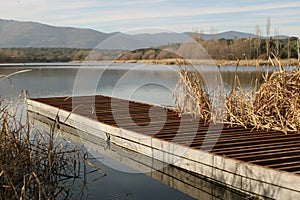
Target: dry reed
275,105
190,96
277,102
36,164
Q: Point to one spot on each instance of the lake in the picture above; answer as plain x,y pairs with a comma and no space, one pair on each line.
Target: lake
152,84
146,83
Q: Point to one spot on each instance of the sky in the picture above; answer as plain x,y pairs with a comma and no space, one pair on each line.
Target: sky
209,16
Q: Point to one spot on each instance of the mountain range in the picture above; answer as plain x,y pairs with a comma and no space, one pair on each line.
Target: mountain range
32,34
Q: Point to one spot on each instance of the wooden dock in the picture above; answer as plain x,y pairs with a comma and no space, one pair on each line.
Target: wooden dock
267,164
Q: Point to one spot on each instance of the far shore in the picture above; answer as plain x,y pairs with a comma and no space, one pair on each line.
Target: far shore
283,62
204,62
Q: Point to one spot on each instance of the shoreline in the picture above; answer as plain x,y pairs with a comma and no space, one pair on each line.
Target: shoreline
260,62
207,62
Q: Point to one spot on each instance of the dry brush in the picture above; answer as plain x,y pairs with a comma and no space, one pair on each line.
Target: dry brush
272,105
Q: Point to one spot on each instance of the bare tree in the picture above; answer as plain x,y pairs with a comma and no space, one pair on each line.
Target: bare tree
250,47
194,35
213,35
197,36
277,41
288,47
298,49
258,39
235,45
201,34
268,26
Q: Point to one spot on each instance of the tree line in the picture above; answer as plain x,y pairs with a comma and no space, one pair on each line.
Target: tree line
219,49
251,48
257,47
226,49
31,55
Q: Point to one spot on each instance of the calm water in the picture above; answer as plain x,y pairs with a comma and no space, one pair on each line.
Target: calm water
147,83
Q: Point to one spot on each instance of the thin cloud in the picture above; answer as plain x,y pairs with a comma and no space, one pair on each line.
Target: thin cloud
117,14
136,14
133,13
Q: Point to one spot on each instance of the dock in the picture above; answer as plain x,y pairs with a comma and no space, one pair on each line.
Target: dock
266,164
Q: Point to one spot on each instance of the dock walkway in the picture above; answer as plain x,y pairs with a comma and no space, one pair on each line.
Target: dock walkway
263,163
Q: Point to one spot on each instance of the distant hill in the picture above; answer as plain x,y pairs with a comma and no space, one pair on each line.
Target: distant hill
145,40
33,34
228,35
225,35
233,34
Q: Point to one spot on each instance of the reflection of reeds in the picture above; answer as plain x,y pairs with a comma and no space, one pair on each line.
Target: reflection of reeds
36,164
275,105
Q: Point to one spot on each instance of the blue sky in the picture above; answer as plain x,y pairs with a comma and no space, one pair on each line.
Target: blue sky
173,15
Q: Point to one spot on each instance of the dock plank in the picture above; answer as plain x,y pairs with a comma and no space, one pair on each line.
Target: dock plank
233,142
270,150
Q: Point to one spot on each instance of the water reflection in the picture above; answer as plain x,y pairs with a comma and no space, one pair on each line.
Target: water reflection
171,182
56,80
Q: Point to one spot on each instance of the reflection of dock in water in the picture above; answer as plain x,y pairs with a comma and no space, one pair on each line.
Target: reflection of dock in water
196,186
266,164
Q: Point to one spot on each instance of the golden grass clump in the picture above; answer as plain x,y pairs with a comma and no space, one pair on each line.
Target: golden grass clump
277,102
275,105
190,96
239,105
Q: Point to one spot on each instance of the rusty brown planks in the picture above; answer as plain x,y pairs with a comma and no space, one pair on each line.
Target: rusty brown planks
269,149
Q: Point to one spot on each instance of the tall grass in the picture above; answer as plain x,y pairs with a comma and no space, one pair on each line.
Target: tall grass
34,163
191,97
272,105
